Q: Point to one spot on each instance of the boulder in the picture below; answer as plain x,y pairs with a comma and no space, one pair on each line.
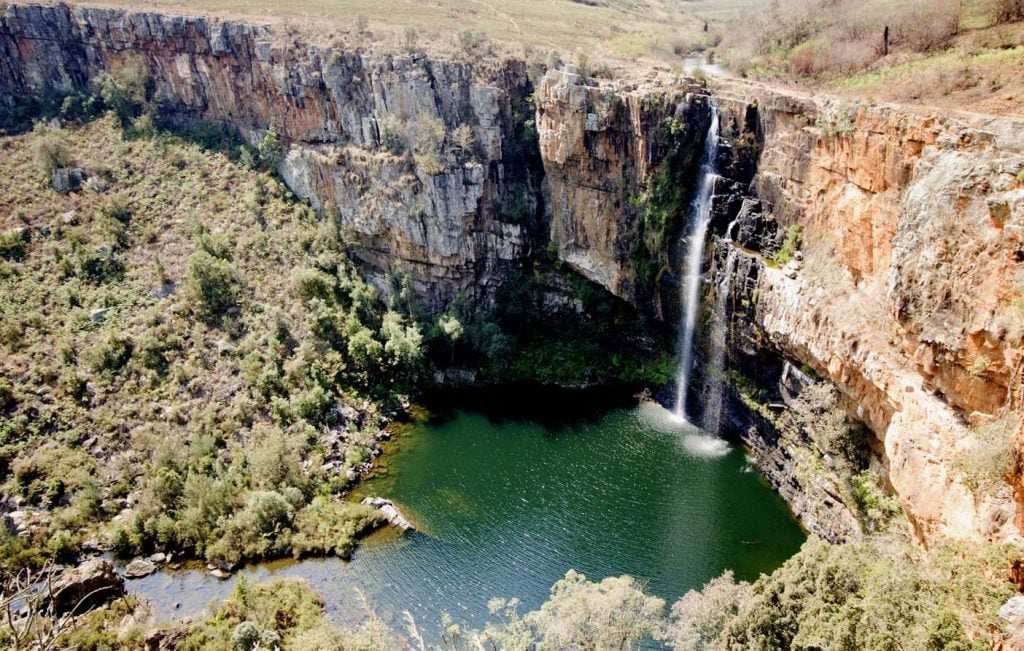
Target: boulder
390,512
139,568
1013,610
91,584
165,639
67,179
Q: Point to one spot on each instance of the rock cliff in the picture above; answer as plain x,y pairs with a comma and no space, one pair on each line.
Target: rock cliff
907,297
370,137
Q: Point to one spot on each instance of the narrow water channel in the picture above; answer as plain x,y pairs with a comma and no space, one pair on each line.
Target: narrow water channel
505,505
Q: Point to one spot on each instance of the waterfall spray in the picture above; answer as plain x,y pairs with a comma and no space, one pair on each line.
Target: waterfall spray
702,204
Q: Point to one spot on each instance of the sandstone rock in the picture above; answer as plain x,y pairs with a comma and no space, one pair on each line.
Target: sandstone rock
139,568
93,583
390,512
166,639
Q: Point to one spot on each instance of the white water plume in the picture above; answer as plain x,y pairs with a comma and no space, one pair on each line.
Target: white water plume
694,262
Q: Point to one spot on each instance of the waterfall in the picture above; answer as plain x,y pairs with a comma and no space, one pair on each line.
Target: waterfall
690,297
714,376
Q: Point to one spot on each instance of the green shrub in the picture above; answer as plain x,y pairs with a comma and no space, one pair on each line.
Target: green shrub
391,135
7,398
403,343
790,245
879,594
877,508
109,354
275,461
410,39
100,265
212,285
583,66
125,91
271,150
13,245
51,152
117,208
364,350
329,526
259,530
313,283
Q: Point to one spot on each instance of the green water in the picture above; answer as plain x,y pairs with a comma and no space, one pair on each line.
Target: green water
506,506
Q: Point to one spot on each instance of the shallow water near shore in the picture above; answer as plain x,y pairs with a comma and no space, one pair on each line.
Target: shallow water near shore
505,505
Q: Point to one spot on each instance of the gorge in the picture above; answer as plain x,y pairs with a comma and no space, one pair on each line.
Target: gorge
861,262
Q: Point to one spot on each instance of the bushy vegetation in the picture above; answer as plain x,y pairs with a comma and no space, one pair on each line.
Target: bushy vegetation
527,340
209,411
790,245
279,613
814,38
988,461
879,594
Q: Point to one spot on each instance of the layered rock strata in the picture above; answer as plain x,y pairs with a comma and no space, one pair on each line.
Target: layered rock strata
375,139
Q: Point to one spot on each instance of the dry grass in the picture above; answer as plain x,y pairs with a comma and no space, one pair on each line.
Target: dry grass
623,31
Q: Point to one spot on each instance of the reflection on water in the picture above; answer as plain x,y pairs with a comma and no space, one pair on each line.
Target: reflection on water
510,504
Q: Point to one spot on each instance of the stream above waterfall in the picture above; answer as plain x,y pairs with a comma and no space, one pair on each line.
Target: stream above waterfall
509,491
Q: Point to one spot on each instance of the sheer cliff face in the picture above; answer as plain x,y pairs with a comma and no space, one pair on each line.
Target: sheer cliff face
909,297
602,150
442,217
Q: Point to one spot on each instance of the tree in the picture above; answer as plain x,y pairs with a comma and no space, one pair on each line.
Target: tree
212,284
411,36
364,350
611,614
403,343
271,150
699,619
464,142
51,151
452,329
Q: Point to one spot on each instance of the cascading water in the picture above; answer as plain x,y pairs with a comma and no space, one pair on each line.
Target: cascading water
714,377
694,261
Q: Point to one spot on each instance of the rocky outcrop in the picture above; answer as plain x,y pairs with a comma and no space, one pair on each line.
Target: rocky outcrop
390,512
604,150
92,583
369,139
909,297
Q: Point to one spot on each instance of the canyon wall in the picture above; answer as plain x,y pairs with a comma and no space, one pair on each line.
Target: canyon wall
907,297
907,294
373,138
